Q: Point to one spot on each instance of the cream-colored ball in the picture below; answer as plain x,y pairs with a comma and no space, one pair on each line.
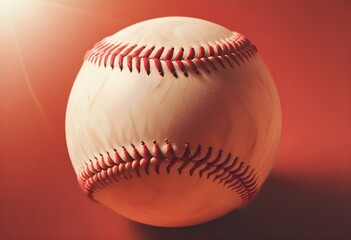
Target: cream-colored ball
173,122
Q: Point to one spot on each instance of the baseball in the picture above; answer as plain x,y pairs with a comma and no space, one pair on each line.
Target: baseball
173,121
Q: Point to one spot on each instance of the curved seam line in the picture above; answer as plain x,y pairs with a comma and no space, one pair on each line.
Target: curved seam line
116,52
242,179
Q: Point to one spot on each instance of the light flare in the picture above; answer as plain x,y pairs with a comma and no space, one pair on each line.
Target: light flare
12,10
26,77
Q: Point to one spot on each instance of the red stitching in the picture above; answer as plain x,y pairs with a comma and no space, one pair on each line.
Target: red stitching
238,177
210,57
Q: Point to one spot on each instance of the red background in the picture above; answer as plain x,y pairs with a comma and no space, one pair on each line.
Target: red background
306,45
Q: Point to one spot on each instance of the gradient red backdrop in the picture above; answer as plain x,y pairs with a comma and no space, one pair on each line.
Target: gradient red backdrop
306,45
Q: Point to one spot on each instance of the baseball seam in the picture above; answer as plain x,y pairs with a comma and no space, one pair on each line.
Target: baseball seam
210,57
104,170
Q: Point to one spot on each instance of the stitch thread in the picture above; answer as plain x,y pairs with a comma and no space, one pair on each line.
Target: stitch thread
210,57
237,176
